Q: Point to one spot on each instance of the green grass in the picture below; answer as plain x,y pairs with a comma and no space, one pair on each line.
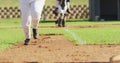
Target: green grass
14,3
7,3
8,23
88,35
9,37
14,22
99,35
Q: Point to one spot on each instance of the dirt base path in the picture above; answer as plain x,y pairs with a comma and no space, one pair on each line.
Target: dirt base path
55,48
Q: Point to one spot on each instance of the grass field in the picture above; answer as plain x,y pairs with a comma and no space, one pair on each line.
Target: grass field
9,37
14,3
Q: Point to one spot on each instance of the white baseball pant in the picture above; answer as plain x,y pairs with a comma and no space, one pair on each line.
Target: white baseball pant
31,11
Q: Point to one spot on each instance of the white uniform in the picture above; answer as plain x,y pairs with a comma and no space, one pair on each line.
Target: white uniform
31,11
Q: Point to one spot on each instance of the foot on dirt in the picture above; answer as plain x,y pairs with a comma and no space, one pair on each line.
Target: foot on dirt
27,41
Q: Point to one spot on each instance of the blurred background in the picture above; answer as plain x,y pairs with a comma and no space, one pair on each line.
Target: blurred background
14,3
79,8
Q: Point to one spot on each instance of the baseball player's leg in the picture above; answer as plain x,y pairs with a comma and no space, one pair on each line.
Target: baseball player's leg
59,15
26,18
59,21
36,11
64,16
64,21
58,18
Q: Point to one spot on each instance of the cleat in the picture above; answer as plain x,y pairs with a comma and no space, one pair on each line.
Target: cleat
27,41
35,33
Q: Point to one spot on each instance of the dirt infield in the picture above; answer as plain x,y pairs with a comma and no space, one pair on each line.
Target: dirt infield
57,49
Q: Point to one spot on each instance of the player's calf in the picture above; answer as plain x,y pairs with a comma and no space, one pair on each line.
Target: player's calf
64,20
63,23
59,22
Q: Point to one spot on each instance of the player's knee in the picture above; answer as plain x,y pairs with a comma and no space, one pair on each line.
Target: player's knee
36,18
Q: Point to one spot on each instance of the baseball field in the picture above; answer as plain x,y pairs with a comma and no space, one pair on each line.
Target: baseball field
81,41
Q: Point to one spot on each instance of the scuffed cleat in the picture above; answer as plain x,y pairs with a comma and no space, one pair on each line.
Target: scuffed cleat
35,33
27,41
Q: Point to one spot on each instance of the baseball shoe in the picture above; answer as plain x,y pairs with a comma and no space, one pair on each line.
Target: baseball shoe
35,33
27,41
